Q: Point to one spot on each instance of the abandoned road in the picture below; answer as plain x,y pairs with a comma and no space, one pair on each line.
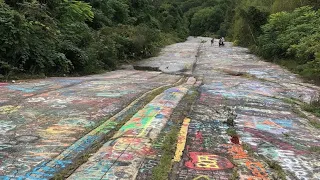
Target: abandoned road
198,112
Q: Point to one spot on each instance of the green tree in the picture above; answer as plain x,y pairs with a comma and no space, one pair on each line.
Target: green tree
206,20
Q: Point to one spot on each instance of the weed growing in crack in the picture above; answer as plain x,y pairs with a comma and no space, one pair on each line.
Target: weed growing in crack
299,113
231,116
280,174
315,123
235,174
315,149
248,148
286,135
314,109
232,132
312,122
162,170
313,106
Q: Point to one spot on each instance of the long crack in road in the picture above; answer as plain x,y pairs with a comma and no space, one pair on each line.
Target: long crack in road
245,122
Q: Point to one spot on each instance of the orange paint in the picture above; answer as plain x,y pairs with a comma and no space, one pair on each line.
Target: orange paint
271,123
257,170
236,151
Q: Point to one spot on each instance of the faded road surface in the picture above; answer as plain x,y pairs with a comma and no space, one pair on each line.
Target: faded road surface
244,121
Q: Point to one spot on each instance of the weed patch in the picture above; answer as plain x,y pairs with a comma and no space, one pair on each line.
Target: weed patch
161,171
314,109
168,149
277,168
235,174
232,132
315,149
315,123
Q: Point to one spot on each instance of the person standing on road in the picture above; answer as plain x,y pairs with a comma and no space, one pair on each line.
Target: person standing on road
220,42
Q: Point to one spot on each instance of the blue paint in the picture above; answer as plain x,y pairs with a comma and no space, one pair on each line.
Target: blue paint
69,81
287,123
43,171
23,89
172,90
160,116
19,178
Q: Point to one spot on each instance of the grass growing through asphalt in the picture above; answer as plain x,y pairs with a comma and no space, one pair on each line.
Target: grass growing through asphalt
235,174
162,170
314,108
63,174
315,123
277,168
231,131
315,149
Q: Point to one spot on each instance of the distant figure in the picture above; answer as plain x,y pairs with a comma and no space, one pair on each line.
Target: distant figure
221,41
212,41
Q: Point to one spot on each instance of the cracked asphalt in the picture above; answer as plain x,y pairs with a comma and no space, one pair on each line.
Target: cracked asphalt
246,123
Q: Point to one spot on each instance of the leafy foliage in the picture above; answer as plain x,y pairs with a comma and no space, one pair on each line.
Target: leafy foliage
59,37
294,35
55,37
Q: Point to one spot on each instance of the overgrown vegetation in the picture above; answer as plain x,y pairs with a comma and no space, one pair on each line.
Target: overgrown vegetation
59,37
294,36
283,31
280,174
81,37
161,171
231,132
315,149
168,148
313,107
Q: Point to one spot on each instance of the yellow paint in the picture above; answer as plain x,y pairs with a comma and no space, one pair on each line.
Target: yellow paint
201,177
8,109
206,161
62,130
182,138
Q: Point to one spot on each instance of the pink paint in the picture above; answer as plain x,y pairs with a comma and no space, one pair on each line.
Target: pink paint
199,136
269,138
3,84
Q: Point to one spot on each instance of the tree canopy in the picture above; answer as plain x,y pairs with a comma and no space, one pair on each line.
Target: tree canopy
80,37
55,37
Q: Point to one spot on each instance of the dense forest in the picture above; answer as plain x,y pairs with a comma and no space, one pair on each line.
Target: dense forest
55,37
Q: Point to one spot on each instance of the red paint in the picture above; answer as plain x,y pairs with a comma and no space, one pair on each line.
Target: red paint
199,136
207,162
235,140
199,140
